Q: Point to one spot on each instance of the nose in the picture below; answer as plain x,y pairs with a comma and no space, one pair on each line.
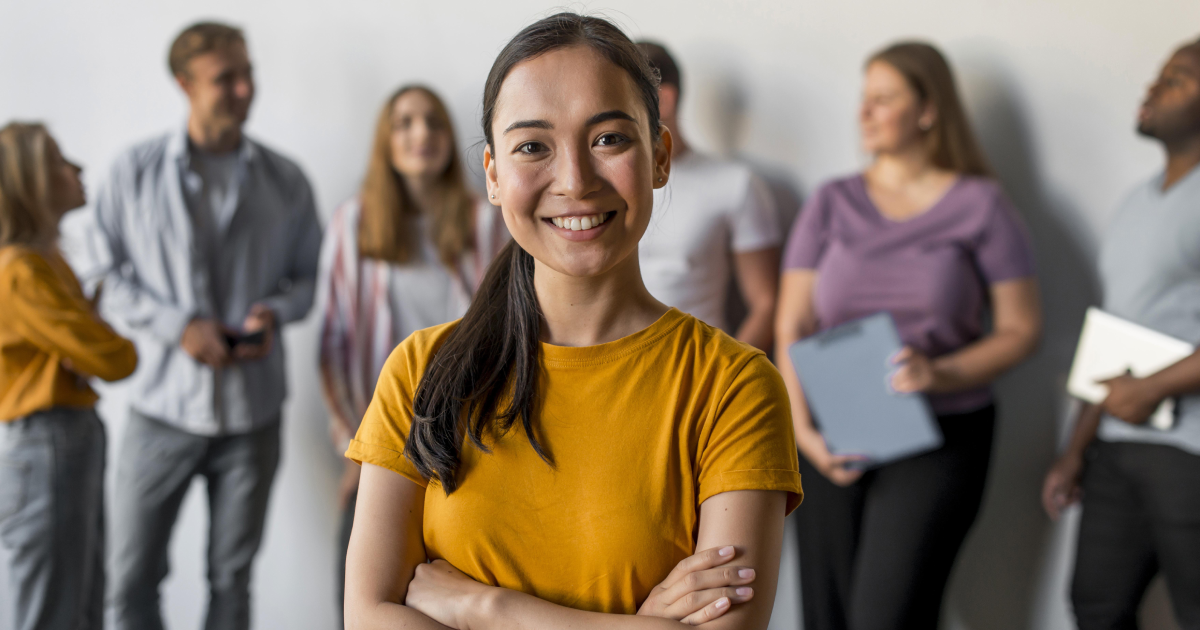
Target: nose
575,175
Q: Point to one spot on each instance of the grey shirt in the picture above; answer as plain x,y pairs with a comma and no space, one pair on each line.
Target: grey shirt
1150,271
165,261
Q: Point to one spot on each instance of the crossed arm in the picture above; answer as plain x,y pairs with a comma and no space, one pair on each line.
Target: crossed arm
390,585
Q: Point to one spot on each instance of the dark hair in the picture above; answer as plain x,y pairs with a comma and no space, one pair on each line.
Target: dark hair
493,353
663,62
949,144
200,38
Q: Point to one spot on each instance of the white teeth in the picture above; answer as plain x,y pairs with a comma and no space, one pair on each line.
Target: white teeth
579,223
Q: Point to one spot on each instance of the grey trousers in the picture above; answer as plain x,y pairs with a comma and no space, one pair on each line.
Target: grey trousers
156,465
52,519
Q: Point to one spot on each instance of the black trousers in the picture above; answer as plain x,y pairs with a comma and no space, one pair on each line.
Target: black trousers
876,555
1141,515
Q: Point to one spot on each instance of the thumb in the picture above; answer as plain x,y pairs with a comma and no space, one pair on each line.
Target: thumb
903,355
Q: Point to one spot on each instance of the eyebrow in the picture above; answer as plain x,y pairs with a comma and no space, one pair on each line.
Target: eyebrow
612,114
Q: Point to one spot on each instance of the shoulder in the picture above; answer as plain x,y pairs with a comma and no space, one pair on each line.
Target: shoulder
983,189
712,349
141,156
346,214
845,187
283,169
409,359
20,264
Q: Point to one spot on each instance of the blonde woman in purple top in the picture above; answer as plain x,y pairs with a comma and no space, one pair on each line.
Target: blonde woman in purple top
927,235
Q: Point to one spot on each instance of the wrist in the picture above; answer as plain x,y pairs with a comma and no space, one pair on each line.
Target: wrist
488,602
944,374
1154,389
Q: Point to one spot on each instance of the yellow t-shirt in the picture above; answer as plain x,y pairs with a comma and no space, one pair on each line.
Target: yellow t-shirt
642,430
44,319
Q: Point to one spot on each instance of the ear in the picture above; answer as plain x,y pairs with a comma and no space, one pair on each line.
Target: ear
668,101
184,82
928,117
662,157
489,173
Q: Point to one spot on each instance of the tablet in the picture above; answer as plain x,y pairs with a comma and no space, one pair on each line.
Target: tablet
845,373
1109,346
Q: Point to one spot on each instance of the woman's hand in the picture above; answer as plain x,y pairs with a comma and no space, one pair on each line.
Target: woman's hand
915,374
1061,487
700,589
835,468
444,594
1130,399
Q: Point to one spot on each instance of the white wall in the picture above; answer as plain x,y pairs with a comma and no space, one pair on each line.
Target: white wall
1052,86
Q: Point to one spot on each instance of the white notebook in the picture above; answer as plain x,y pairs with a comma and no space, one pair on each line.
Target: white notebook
1109,345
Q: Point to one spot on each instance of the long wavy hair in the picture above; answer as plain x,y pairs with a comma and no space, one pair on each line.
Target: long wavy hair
26,214
386,227
485,375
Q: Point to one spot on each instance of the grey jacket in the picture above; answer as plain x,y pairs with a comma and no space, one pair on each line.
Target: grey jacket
157,273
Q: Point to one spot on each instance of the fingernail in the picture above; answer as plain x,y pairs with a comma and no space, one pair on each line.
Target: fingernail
723,603
725,551
746,573
745,591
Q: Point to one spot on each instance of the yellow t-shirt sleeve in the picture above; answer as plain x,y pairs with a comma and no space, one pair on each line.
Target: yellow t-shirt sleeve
749,443
384,429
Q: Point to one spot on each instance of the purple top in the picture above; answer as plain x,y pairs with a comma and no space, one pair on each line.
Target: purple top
930,272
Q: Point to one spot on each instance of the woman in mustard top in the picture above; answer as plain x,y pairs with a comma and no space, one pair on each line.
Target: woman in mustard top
51,442
557,457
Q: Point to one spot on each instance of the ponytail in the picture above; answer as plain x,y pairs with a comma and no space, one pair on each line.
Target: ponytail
491,355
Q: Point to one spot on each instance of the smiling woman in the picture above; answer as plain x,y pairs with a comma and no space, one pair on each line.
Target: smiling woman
645,435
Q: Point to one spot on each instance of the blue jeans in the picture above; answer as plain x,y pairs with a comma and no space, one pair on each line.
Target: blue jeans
156,465
52,519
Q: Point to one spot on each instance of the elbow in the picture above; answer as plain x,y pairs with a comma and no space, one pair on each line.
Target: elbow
120,366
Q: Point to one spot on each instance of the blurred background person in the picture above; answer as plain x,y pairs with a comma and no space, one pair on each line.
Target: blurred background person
715,226
925,234
211,243
405,253
1140,485
51,440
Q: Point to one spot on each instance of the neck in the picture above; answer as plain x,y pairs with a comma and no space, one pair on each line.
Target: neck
590,311
1182,157
679,146
212,138
421,191
897,169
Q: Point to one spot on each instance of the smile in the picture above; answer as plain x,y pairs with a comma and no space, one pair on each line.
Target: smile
582,222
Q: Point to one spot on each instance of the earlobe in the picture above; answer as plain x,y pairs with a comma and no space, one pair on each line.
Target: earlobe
489,170
662,157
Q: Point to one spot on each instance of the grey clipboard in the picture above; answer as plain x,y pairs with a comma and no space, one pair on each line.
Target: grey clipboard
845,374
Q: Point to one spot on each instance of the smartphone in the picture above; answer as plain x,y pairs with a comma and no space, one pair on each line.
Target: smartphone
256,338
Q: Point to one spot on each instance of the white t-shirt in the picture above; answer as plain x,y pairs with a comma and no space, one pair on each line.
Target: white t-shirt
709,210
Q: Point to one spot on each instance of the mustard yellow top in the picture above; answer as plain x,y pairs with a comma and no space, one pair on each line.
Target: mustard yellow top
44,319
642,430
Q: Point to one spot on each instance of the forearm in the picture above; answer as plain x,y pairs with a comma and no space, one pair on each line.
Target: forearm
141,309
503,609
981,362
1178,379
757,328
292,304
388,616
1086,425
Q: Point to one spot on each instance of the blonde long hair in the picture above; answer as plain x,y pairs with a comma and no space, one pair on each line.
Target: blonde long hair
26,214
949,143
386,226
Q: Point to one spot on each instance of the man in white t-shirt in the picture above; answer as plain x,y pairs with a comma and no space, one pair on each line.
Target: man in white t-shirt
714,226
